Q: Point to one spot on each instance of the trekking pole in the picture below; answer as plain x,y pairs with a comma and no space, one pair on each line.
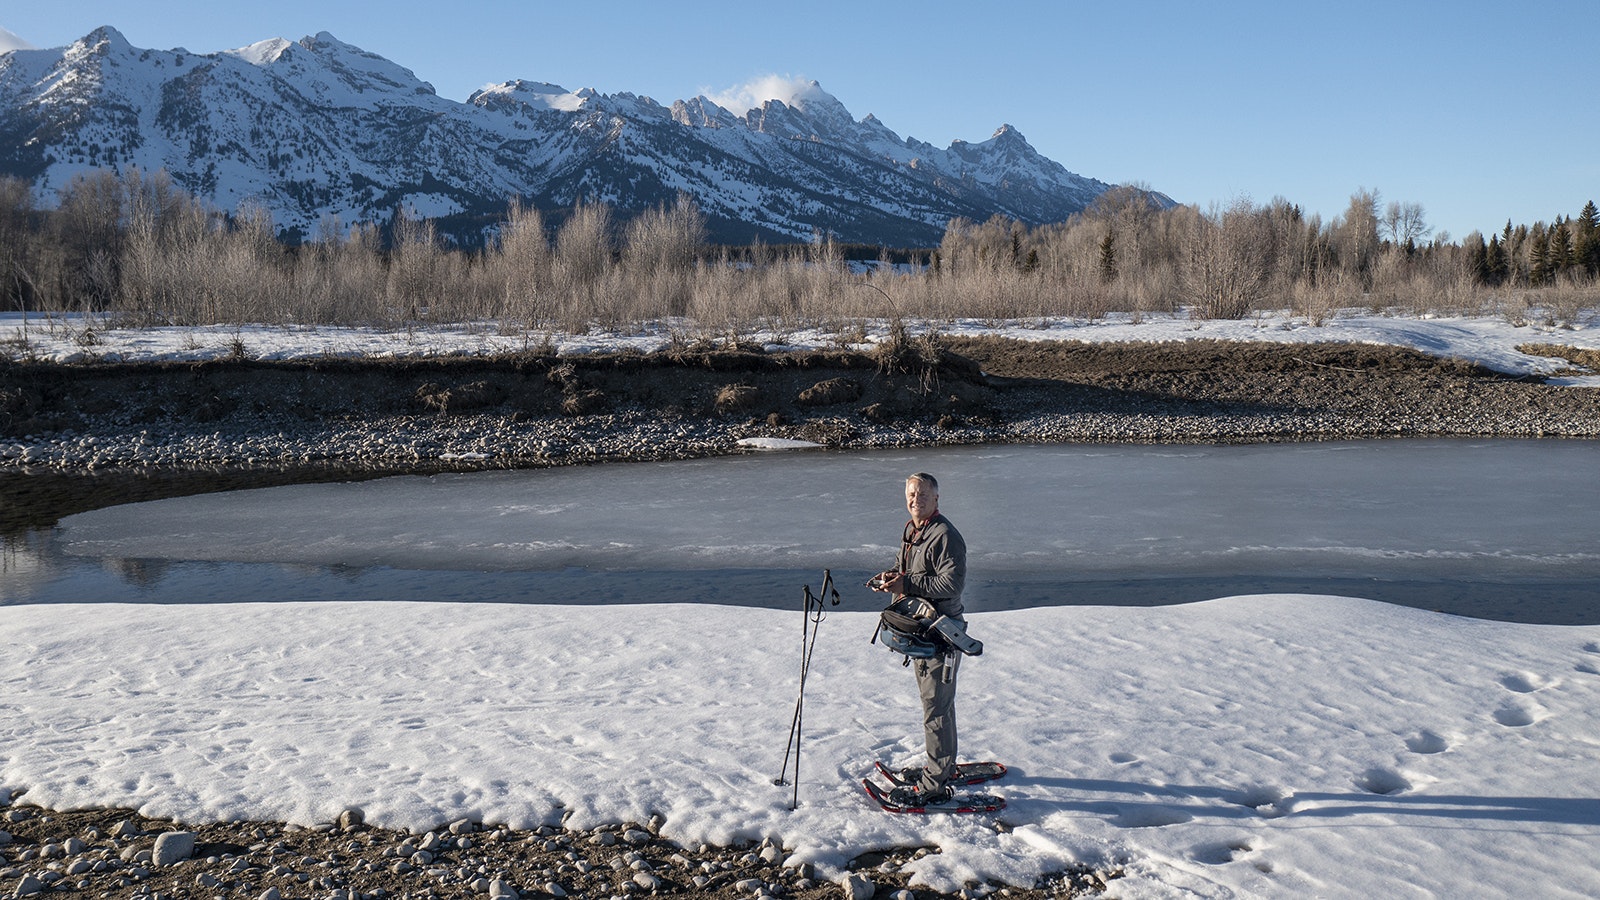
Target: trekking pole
813,614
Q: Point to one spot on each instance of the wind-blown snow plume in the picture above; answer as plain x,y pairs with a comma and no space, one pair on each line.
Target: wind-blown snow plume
9,41
788,89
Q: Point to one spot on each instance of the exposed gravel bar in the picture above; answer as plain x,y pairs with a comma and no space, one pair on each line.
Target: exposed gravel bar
120,854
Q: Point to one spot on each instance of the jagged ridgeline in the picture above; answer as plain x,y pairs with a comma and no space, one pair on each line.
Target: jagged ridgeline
318,130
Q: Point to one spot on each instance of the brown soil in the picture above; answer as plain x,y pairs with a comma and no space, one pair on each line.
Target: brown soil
987,379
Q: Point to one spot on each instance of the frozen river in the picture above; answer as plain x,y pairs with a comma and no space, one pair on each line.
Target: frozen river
1501,529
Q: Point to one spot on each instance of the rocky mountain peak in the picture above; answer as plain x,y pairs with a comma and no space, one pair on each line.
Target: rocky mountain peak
321,128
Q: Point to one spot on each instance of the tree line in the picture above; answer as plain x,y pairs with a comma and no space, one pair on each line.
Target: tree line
138,250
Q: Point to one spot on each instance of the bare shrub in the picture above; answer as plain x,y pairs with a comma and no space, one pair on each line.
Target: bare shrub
660,249
138,249
1226,264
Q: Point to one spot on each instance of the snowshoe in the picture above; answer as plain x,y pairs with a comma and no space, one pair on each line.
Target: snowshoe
966,773
906,800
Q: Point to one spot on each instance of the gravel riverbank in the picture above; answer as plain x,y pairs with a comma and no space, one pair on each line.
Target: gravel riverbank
118,853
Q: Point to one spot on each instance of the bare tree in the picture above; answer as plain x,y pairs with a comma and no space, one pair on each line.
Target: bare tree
525,262
1404,224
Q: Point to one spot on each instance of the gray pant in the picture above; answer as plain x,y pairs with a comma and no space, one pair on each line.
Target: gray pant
936,682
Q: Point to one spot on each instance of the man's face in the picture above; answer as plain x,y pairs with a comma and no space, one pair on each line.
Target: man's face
921,501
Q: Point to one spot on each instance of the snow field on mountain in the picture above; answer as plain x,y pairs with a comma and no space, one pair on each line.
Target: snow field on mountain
1248,746
306,129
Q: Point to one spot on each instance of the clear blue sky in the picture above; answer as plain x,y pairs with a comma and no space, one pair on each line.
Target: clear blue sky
1480,111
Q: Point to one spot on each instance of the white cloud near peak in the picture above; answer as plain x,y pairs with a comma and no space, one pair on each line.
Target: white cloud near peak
9,41
740,99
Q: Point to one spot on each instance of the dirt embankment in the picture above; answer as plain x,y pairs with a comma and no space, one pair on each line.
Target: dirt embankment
982,382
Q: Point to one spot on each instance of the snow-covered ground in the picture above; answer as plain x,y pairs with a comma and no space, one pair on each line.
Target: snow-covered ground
1271,746
1275,746
1491,341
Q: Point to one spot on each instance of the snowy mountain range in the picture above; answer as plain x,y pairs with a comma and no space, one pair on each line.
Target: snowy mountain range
318,128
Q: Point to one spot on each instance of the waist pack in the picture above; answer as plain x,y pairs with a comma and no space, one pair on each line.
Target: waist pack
922,636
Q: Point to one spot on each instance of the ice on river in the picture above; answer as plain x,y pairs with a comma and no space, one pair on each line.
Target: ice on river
1037,519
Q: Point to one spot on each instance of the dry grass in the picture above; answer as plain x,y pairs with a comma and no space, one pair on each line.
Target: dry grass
1586,361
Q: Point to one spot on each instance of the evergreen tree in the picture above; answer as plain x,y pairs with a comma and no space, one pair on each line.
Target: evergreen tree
1108,257
1586,243
1539,270
1494,263
1562,255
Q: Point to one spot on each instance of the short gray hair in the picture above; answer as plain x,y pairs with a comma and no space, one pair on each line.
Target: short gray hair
925,478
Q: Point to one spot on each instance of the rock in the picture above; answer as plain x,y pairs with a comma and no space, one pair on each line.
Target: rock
125,829
270,894
351,819
647,881
771,855
502,890
857,886
29,885
172,847
555,890
636,837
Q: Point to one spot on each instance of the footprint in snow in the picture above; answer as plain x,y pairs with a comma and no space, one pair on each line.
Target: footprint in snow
1513,716
1523,682
1264,799
1426,742
1221,853
1122,758
1382,781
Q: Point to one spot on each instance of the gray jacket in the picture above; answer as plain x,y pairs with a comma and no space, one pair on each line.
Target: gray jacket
934,560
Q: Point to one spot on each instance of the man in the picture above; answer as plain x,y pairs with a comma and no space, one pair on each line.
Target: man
932,566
